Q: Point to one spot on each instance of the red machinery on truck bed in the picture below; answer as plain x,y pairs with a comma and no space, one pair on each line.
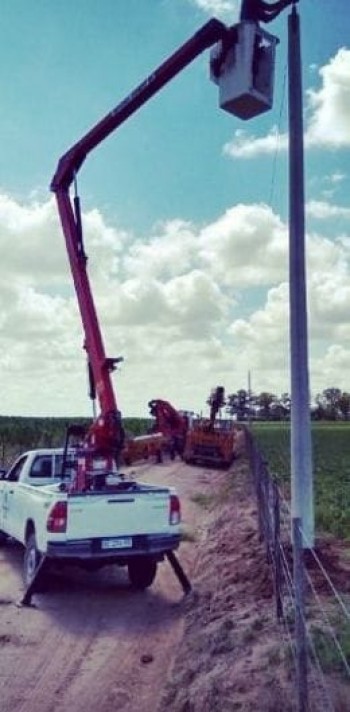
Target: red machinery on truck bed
105,437
243,52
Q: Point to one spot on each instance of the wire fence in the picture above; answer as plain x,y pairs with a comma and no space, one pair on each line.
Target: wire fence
312,607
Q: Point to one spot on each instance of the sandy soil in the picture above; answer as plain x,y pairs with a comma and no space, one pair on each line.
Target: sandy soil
91,643
230,656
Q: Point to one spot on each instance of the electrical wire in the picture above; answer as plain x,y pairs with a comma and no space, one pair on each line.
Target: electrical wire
278,137
337,595
329,625
267,515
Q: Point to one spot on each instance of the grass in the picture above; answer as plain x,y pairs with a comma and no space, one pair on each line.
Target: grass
331,467
219,497
326,650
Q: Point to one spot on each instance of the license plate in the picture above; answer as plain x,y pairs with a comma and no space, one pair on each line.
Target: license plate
120,543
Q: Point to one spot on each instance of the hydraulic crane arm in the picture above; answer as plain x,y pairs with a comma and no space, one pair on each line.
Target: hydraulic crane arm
168,420
107,432
70,163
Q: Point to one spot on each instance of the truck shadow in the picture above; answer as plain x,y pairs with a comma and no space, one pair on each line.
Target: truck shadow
72,596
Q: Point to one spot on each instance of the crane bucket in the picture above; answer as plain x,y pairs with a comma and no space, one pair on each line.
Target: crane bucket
243,68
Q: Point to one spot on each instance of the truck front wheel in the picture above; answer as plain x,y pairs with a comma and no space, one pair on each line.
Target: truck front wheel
142,571
31,562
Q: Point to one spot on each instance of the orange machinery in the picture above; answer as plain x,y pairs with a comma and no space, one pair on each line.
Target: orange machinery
173,424
211,441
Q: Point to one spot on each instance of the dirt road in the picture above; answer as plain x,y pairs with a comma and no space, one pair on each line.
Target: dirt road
90,642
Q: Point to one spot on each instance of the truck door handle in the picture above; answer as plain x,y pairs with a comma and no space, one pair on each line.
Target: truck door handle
11,491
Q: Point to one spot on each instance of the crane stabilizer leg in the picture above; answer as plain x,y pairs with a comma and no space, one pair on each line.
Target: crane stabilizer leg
27,598
177,568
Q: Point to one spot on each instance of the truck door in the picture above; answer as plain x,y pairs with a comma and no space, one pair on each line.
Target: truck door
9,487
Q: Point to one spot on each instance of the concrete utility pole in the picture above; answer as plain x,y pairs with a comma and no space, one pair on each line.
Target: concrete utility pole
301,450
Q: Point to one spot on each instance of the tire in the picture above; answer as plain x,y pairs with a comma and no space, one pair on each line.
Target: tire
32,558
3,538
142,572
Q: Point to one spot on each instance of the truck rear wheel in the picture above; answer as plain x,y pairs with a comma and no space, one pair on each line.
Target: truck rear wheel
3,538
31,562
142,571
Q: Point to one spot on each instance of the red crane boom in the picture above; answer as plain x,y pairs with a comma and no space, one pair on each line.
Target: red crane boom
106,433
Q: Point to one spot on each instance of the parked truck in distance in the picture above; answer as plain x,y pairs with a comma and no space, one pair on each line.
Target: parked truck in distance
115,521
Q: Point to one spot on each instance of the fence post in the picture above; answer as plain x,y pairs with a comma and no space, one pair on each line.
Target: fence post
300,631
256,469
260,496
266,480
276,549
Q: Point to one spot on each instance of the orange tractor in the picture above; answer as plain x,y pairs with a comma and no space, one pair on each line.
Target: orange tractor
211,441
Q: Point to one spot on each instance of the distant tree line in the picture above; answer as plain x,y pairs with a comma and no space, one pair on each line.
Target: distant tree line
330,404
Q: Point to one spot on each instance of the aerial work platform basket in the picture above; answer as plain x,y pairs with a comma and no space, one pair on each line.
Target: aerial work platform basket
243,68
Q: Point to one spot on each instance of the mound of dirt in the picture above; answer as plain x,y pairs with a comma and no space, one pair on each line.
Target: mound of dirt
231,656
234,655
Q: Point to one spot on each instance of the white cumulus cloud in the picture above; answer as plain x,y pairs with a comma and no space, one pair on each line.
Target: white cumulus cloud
225,9
322,210
176,304
246,246
244,145
327,122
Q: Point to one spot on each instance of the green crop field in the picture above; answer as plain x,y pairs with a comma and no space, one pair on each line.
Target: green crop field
19,434
331,467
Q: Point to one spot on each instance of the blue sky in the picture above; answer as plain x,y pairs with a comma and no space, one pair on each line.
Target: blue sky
185,207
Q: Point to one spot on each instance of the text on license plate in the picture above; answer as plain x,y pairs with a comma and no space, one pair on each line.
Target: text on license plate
120,543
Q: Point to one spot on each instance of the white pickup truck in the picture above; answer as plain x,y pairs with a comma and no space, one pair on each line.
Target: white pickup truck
123,522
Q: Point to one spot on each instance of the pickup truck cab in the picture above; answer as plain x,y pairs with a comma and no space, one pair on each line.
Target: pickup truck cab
121,521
